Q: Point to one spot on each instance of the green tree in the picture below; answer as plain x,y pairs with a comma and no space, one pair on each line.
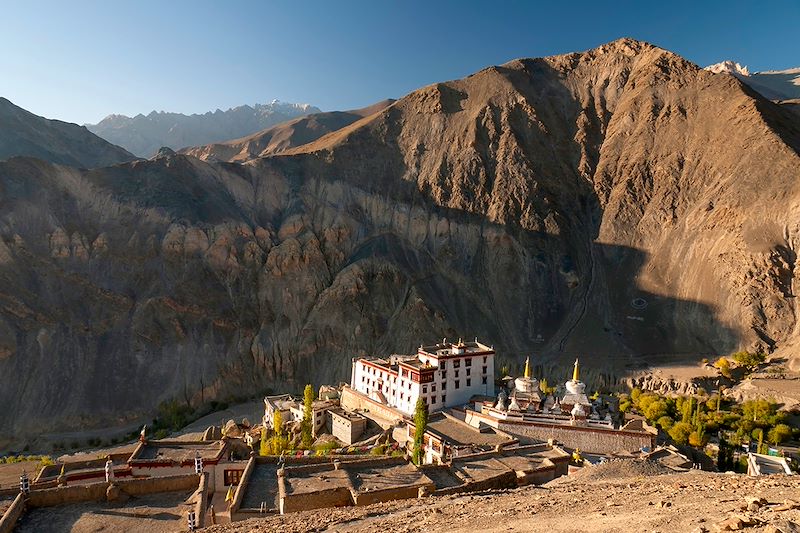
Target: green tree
688,406
306,426
655,410
680,432
665,422
780,433
420,423
635,393
265,448
749,361
698,437
724,367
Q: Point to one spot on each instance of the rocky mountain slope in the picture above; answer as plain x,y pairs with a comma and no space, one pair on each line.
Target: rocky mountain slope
145,134
23,133
284,136
773,84
620,204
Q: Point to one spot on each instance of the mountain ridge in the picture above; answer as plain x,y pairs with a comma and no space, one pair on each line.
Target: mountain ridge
23,133
145,134
595,204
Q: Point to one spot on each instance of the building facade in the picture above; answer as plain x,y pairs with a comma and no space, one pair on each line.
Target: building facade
444,375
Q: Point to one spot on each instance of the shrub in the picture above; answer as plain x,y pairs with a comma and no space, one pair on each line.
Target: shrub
724,367
680,432
665,422
780,433
748,360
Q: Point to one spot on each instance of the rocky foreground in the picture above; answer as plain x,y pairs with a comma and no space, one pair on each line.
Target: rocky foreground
619,496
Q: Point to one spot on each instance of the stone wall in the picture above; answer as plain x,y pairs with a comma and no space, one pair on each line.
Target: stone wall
588,439
334,497
202,498
9,519
97,491
583,438
394,493
240,488
352,401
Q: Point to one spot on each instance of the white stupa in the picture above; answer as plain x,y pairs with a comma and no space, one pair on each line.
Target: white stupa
526,383
576,393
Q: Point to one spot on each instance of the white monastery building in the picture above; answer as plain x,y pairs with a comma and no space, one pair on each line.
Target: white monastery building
444,375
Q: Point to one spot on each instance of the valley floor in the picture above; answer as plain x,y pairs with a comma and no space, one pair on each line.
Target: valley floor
610,498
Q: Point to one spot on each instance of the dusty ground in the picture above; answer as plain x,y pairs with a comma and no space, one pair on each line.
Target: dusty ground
155,513
613,498
9,473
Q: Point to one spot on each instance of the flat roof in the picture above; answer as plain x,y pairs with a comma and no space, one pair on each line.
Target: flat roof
446,348
372,478
303,481
480,468
178,451
460,433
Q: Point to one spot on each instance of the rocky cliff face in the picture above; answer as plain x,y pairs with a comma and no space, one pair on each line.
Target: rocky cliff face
145,134
620,204
24,134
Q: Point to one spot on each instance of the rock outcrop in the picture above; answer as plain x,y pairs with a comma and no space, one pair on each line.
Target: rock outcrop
620,204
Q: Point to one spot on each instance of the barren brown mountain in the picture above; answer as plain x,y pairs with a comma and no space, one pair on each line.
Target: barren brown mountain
24,134
621,204
283,136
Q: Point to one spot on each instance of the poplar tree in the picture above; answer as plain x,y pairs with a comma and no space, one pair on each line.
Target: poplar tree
308,412
420,423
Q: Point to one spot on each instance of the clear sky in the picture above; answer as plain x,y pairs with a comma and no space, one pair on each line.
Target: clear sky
82,60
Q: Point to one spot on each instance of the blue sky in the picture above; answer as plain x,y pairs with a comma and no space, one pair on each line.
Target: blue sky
82,60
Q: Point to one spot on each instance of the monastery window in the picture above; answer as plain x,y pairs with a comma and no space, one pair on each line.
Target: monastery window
232,477
444,374
424,389
409,385
444,398
484,359
484,369
468,361
484,380
444,385
401,396
443,365
469,382
457,384
456,373
456,363
468,371
433,399
363,379
433,387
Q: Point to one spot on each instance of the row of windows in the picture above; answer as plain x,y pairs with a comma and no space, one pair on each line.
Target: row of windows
457,362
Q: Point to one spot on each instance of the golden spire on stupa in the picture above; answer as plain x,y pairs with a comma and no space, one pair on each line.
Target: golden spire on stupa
527,368
575,372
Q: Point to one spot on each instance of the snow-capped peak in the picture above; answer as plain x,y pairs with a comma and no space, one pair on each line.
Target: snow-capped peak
728,67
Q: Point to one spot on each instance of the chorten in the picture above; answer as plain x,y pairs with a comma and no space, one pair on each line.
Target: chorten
576,393
526,383
526,390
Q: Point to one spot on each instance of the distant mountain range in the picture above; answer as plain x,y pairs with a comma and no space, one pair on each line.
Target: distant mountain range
24,134
143,135
773,84
284,136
